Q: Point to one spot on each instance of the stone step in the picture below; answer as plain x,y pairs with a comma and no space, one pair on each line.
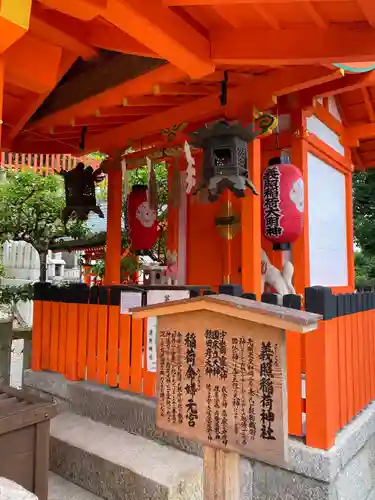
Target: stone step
131,412
117,465
61,489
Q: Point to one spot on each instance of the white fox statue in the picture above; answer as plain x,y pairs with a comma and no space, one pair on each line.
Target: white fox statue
281,281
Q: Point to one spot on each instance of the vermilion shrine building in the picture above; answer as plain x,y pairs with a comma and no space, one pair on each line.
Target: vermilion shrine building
124,75
105,75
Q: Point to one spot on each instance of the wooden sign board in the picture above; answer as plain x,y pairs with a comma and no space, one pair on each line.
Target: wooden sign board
221,382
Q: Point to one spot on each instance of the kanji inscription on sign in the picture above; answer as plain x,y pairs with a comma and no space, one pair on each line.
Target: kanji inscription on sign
221,382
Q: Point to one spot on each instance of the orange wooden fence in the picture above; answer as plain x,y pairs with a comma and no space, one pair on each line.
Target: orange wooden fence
44,163
339,371
82,335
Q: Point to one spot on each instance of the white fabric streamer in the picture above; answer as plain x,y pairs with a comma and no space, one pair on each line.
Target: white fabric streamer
190,169
125,178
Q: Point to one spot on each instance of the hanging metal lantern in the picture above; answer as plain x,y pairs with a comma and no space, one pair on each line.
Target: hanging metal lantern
80,192
225,157
283,203
225,160
142,220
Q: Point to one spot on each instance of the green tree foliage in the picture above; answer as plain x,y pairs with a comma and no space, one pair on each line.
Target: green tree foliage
364,225
364,269
364,210
30,211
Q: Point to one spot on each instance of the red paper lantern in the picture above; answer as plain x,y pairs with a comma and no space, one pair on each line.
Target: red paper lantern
283,203
142,220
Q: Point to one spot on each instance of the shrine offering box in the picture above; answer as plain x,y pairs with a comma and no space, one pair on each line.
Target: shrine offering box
221,377
24,439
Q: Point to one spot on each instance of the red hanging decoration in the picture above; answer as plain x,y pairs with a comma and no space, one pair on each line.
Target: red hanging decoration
142,220
283,203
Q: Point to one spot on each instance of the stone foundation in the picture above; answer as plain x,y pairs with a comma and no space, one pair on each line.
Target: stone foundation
345,472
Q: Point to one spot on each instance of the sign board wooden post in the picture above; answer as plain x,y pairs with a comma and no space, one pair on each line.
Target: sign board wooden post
221,380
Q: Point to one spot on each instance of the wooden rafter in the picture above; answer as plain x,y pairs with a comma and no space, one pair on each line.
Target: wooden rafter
346,84
155,100
260,92
48,147
265,14
368,104
367,7
296,46
315,15
111,38
96,79
66,63
235,77
357,158
122,111
33,64
182,3
227,15
178,89
92,124
14,21
86,10
113,96
353,134
341,110
163,31
42,27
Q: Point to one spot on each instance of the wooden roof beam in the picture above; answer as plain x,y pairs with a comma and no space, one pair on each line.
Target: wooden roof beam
315,15
86,10
352,135
66,62
336,87
91,124
265,14
42,26
113,96
368,104
176,89
357,158
14,21
260,92
54,146
33,64
111,38
298,46
367,7
162,30
185,3
154,100
121,111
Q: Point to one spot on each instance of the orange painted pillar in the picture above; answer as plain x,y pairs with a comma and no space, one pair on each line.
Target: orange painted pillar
114,230
40,294
300,248
251,226
322,377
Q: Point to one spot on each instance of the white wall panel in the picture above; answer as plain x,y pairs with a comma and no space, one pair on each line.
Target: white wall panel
327,224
